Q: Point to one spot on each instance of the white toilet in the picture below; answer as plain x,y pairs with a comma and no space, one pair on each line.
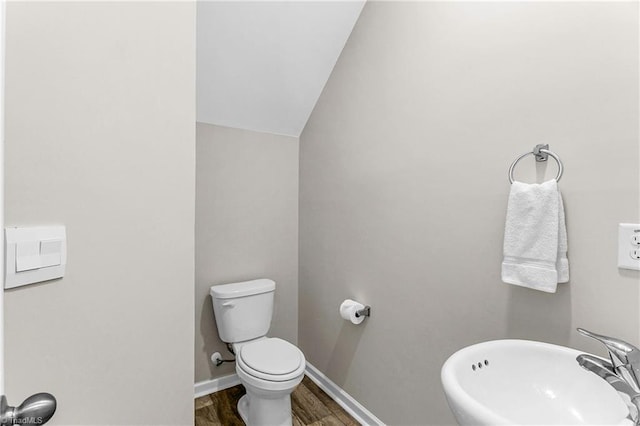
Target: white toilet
269,368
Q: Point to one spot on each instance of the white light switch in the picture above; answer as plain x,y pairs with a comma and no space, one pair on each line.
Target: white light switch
629,246
50,252
34,254
27,256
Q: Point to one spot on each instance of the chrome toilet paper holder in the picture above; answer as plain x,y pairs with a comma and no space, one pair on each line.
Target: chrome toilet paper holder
364,312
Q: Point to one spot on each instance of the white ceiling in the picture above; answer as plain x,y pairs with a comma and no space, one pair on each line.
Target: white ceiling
261,65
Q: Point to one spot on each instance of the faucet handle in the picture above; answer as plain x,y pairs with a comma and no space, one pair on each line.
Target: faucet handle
621,349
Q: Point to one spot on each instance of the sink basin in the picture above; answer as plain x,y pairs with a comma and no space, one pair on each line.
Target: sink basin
521,382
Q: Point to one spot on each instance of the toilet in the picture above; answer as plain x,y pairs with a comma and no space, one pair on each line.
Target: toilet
268,367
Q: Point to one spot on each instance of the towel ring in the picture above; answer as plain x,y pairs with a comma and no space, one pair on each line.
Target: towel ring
541,152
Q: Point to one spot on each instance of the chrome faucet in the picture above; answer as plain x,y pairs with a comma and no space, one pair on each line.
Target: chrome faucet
622,373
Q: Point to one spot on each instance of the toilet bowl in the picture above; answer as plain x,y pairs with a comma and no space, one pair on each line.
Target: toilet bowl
269,368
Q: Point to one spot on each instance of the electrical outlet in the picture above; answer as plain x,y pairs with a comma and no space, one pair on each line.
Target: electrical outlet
629,246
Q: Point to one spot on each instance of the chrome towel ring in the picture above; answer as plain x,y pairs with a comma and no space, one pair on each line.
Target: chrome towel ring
542,153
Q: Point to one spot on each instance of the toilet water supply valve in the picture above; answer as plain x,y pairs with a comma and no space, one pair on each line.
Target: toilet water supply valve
35,410
216,358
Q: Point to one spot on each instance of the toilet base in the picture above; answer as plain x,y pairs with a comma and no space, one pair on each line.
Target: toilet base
243,408
259,411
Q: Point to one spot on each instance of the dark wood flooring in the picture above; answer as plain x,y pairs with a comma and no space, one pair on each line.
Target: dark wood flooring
310,406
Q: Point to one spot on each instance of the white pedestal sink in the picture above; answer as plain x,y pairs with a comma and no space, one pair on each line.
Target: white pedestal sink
521,382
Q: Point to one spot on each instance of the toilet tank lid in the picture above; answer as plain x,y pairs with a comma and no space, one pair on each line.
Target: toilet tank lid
245,288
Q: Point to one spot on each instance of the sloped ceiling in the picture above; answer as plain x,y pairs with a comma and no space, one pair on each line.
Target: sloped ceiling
262,65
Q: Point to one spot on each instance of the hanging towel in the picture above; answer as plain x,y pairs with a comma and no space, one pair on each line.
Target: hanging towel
562,264
535,237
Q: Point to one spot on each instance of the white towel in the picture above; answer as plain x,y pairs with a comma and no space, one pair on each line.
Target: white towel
562,264
535,237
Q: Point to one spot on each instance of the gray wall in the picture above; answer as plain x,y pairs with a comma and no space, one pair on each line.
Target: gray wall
246,228
403,187
100,136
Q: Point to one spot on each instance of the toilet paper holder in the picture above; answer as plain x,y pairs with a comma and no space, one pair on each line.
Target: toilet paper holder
364,312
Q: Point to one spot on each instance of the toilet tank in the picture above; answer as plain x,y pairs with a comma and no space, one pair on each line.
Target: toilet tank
243,310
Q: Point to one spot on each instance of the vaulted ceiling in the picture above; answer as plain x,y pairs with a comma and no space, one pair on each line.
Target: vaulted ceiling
261,65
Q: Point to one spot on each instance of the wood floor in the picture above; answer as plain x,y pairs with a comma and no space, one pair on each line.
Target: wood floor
310,406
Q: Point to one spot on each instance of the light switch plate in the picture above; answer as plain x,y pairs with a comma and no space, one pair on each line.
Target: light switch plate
628,249
34,254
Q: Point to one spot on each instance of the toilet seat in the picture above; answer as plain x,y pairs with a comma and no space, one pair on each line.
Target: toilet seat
271,359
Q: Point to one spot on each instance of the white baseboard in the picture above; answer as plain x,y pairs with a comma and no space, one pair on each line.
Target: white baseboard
208,387
346,401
